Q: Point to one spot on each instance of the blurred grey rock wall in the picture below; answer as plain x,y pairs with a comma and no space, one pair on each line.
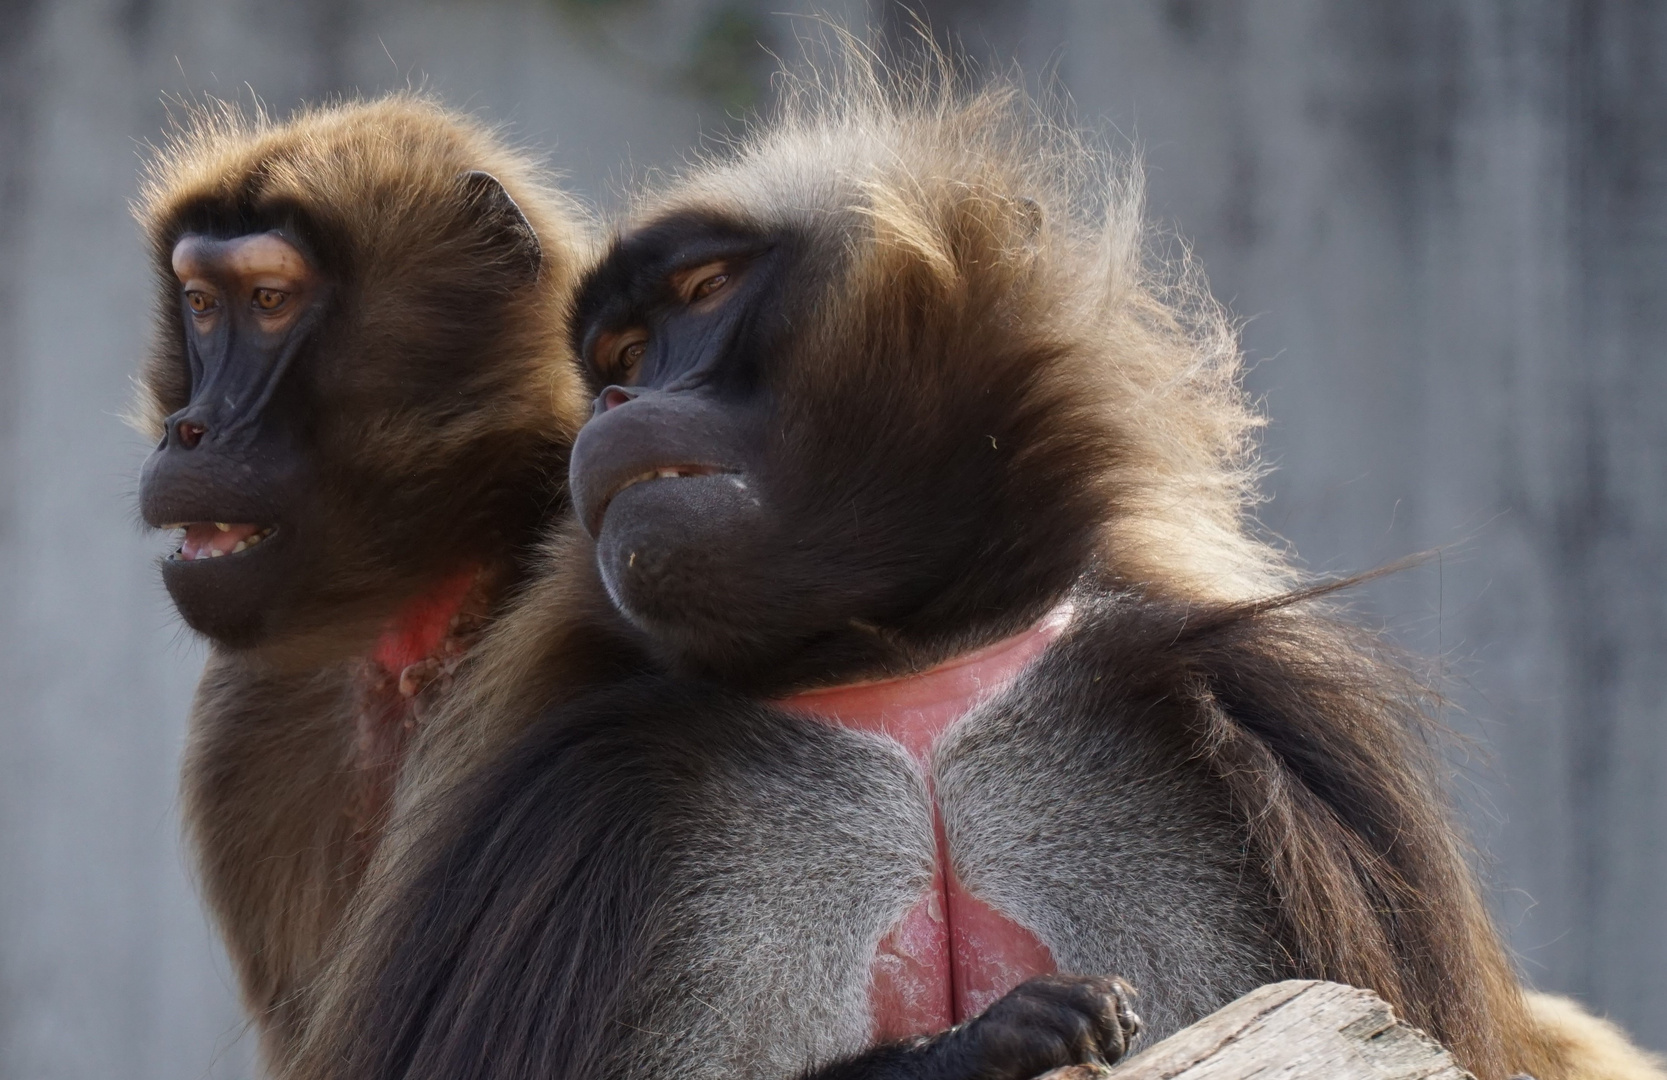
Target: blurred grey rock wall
1445,221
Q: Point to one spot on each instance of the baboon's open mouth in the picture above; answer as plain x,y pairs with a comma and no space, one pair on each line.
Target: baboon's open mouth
212,539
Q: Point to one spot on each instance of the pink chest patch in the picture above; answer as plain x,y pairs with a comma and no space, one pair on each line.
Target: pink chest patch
953,954
415,633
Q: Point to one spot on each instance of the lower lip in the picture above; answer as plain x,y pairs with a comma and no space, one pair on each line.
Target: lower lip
694,472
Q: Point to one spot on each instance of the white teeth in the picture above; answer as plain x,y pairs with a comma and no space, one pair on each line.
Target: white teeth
665,472
241,546
222,526
215,553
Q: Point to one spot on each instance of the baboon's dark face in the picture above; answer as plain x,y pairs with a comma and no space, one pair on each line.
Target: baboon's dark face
792,475
349,415
231,472
671,475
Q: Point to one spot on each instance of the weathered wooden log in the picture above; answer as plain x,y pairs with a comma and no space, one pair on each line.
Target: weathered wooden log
1296,1030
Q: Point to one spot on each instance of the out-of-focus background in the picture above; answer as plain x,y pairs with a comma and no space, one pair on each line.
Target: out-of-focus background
1446,221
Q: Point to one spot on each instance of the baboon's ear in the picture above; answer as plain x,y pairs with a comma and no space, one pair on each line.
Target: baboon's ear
504,221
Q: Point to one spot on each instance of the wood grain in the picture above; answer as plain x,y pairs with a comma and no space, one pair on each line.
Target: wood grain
1296,1030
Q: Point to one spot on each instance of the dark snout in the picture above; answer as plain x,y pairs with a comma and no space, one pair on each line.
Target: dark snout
206,481
252,484
638,435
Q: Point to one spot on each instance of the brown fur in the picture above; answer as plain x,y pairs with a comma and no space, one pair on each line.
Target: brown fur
525,663
461,443
970,220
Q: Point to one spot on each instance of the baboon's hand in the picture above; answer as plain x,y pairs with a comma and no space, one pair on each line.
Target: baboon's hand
1046,1023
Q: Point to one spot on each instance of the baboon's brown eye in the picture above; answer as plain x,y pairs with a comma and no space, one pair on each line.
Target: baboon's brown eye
618,355
202,303
709,286
270,299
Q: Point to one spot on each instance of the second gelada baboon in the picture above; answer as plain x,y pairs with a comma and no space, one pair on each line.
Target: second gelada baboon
362,401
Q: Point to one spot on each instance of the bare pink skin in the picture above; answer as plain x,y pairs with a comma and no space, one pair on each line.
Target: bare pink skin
420,647
952,955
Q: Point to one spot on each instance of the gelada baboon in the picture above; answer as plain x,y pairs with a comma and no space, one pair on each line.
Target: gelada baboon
363,400
968,684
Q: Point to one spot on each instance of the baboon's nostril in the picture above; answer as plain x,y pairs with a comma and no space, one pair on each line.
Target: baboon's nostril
189,433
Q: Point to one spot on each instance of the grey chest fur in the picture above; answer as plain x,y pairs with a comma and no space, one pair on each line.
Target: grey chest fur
1105,843
795,861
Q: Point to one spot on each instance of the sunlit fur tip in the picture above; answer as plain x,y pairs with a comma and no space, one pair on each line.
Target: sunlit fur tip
1590,1048
979,197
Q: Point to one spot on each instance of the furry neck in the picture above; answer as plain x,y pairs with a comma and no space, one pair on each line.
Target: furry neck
915,709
